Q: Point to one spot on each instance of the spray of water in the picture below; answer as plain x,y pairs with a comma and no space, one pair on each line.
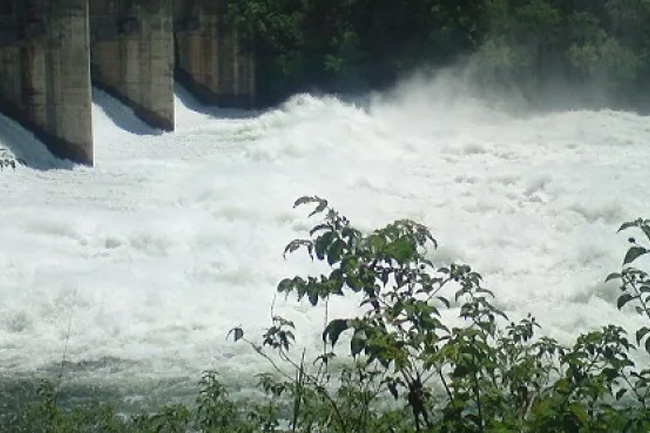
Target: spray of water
175,238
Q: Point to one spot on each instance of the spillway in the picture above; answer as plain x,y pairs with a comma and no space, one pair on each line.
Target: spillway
135,270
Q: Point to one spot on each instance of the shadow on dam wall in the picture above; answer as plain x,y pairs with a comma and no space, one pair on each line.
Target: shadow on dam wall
53,51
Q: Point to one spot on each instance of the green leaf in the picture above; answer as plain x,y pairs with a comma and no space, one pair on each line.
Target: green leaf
627,225
647,345
336,282
318,228
238,333
624,299
444,301
541,408
323,242
610,373
620,393
641,333
335,252
358,342
351,234
563,386
402,250
460,371
297,243
286,285
334,329
354,283
313,297
633,254
646,229
613,276
322,205
579,412
305,200
377,242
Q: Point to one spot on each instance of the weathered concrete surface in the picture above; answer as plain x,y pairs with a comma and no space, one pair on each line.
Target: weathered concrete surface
210,59
49,48
132,55
45,72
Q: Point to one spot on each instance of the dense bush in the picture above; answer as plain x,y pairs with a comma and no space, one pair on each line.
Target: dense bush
599,49
350,45
404,367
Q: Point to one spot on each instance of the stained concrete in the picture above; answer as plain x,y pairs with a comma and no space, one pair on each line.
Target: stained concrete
132,55
211,60
133,48
45,73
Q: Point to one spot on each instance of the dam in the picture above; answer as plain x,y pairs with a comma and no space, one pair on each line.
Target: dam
52,52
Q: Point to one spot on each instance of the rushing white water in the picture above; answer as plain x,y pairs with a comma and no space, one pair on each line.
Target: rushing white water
136,269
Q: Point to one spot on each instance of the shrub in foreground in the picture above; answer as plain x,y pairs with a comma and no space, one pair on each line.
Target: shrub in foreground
400,365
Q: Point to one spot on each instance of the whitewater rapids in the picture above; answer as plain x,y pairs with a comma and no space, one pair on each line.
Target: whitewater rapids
135,270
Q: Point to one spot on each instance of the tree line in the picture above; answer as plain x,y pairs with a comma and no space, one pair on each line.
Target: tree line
600,48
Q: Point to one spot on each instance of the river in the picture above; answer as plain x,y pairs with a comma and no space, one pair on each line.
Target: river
127,276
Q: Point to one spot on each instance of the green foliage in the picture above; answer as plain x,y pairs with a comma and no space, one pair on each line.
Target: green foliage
635,283
348,45
399,365
484,376
598,48
581,44
45,415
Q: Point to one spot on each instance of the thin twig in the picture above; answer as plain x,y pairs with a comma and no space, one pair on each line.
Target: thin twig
67,341
444,383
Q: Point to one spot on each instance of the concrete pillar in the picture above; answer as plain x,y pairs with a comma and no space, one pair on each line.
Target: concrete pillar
132,56
45,72
210,59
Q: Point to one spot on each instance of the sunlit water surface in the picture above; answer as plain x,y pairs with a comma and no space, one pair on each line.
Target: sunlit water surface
133,272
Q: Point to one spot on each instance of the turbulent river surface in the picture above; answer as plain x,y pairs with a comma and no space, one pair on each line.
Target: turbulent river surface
130,274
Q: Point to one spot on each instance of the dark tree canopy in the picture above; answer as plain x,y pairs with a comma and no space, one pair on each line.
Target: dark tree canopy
344,45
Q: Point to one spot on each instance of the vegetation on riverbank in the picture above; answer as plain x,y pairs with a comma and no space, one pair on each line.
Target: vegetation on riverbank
596,51
405,365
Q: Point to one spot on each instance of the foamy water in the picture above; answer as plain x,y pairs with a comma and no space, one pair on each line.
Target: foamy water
136,269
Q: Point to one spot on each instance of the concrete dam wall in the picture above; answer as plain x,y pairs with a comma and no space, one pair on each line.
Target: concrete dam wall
131,55
210,61
53,51
44,80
